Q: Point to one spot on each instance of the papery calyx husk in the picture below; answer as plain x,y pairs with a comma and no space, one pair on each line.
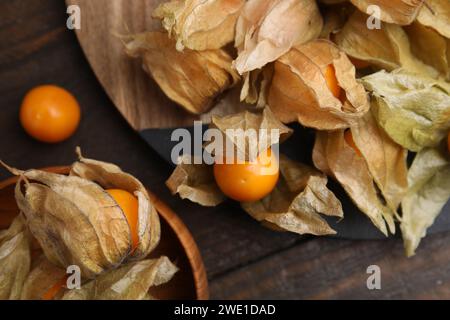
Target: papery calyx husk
131,281
386,160
297,201
387,48
14,259
436,14
268,29
249,133
76,222
110,176
196,182
413,109
193,79
333,156
42,279
430,47
200,24
400,12
308,99
429,191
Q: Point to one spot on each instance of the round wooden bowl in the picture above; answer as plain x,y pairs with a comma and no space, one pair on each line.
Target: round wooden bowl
190,283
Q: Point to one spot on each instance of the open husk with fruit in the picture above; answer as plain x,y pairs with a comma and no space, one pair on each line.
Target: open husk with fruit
98,220
369,77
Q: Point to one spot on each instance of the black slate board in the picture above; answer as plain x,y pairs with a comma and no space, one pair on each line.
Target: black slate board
355,224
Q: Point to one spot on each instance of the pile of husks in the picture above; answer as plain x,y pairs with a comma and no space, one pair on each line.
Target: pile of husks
397,102
71,221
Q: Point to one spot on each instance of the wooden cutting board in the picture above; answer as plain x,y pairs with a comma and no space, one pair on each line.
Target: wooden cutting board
137,97
154,116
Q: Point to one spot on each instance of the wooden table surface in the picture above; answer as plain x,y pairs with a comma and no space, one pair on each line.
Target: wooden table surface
243,259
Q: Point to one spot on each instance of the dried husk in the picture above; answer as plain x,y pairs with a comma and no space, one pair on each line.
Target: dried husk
333,21
268,130
75,220
193,79
200,24
401,12
430,47
57,207
110,176
196,183
129,282
413,109
386,160
268,29
255,86
42,278
308,99
386,48
14,259
333,156
436,14
429,191
297,201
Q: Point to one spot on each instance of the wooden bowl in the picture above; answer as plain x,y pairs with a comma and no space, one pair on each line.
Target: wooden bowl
190,283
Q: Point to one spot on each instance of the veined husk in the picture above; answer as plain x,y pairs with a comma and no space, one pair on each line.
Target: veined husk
42,278
131,281
295,204
307,99
200,24
255,86
76,222
193,79
14,259
413,109
429,191
386,48
430,47
268,130
333,156
196,181
110,176
436,14
386,160
268,29
297,201
400,12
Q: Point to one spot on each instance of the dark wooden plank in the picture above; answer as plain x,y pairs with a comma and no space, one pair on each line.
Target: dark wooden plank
36,48
336,269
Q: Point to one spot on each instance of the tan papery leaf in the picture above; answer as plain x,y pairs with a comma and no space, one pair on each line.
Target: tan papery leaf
131,281
297,201
308,99
193,79
400,12
200,24
333,156
14,259
268,29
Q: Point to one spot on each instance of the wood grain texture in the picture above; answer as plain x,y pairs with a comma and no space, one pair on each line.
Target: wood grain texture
176,243
37,48
137,97
337,269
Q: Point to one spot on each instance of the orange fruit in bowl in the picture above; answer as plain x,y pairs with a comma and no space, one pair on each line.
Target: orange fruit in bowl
130,207
50,114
